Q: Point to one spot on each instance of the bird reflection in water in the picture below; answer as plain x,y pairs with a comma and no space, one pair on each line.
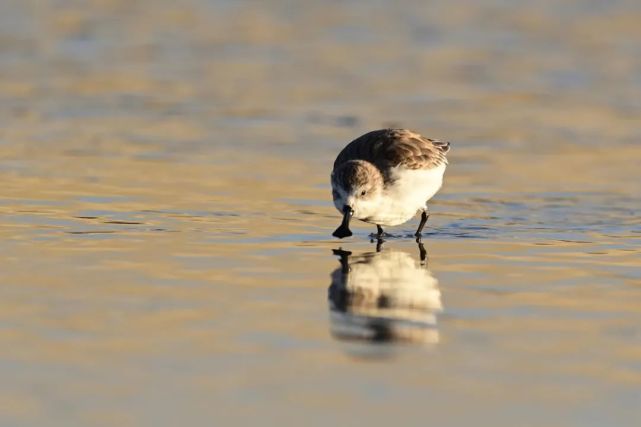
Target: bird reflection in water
384,296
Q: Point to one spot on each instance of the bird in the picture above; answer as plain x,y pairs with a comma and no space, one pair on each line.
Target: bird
385,177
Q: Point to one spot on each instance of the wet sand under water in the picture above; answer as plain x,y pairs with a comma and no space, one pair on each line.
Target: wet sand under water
166,217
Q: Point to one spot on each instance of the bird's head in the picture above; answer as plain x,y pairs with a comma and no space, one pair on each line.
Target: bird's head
357,187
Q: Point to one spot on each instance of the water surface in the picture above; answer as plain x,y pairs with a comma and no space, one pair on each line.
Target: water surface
165,214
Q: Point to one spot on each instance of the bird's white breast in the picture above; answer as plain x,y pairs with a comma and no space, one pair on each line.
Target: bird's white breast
409,191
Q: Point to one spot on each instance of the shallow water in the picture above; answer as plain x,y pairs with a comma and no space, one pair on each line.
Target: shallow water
166,217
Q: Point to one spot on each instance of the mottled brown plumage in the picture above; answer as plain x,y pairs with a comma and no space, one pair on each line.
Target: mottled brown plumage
388,148
357,173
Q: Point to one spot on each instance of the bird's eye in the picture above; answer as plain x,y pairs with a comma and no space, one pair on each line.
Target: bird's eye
363,193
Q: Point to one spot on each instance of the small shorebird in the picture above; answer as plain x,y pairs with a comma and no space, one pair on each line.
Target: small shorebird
385,177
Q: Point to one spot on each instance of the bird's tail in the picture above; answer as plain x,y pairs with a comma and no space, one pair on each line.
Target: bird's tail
444,147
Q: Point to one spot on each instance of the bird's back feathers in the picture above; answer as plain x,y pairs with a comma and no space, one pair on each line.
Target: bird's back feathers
388,148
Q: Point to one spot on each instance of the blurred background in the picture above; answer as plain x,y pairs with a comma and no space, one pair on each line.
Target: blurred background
166,215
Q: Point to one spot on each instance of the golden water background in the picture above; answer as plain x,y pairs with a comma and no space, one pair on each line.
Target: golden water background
165,212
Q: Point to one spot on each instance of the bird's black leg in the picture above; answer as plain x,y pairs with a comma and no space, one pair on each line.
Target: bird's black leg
378,236
424,216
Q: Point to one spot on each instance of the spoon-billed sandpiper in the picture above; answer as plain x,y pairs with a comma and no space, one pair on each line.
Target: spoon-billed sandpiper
385,177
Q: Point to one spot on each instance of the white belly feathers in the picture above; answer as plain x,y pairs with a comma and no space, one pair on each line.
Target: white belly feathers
409,192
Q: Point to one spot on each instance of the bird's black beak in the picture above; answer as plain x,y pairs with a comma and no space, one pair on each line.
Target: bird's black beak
343,230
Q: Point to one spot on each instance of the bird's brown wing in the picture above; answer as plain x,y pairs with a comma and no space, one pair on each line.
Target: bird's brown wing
387,148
